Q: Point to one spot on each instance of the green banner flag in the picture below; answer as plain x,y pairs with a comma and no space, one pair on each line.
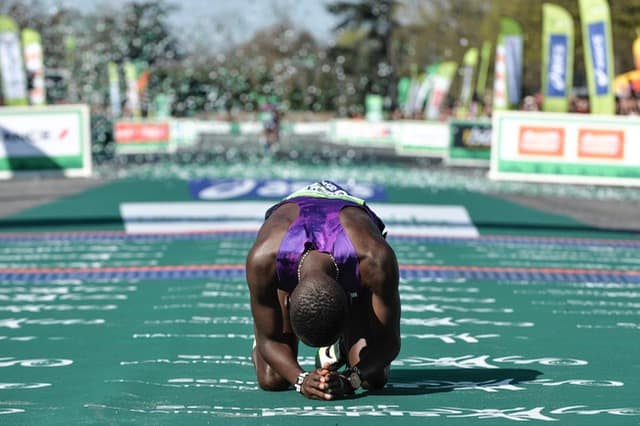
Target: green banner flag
14,82
403,92
161,106
133,97
508,73
485,59
557,58
598,51
373,107
469,63
34,64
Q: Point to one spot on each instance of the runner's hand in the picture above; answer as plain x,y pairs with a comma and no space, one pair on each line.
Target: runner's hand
318,384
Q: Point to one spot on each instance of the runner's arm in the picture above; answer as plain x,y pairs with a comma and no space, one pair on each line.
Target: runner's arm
275,347
385,318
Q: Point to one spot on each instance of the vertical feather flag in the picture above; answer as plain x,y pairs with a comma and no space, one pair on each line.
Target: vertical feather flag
34,64
557,58
14,82
598,49
508,68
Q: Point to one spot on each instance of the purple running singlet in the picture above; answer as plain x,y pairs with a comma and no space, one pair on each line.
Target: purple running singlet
318,227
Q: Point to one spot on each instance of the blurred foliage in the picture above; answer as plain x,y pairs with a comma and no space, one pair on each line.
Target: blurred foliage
376,42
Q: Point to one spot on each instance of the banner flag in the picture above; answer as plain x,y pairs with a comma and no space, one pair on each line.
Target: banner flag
34,64
374,107
508,73
142,82
161,106
469,63
133,98
636,50
114,90
557,58
441,84
426,88
14,82
598,50
485,58
412,93
403,92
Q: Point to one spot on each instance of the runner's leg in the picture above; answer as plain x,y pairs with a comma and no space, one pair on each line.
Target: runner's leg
358,337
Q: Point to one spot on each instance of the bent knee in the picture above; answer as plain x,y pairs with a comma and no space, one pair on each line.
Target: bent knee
272,383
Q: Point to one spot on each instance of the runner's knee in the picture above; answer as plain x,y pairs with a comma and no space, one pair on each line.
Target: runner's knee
268,379
272,382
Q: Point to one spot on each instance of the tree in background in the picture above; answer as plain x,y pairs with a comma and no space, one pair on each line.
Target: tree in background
363,52
377,41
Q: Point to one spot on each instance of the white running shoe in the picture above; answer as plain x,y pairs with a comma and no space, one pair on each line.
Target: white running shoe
333,355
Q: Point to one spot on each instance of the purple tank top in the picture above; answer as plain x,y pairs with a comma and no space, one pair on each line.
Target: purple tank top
318,227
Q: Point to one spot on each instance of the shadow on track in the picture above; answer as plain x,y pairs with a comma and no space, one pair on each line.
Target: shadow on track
426,381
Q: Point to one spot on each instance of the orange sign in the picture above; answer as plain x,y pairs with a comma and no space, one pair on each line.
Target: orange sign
547,141
606,144
141,132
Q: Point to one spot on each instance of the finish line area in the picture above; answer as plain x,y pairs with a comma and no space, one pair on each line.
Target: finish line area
101,322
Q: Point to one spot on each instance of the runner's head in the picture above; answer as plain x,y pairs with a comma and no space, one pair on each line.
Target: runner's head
318,310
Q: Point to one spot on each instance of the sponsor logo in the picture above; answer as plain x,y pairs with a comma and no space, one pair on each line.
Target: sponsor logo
598,47
547,141
473,136
556,72
225,189
141,132
34,136
605,144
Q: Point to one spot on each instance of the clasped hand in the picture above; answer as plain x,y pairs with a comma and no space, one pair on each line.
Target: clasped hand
324,383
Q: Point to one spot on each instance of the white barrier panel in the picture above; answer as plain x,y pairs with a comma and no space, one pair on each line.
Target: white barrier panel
311,128
248,216
362,133
45,139
567,148
185,132
417,138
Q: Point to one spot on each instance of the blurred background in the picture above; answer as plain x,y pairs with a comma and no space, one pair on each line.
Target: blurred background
292,80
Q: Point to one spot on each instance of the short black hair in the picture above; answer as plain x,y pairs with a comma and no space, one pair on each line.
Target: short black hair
318,310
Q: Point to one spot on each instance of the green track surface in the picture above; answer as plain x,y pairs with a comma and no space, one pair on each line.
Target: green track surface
536,348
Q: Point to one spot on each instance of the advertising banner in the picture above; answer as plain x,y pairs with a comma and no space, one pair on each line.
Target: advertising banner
512,40
48,139
508,70
571,148
636,50
417,138
34,64
14,82
500,78
135,137
440,88
557,58
469,143
598,51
